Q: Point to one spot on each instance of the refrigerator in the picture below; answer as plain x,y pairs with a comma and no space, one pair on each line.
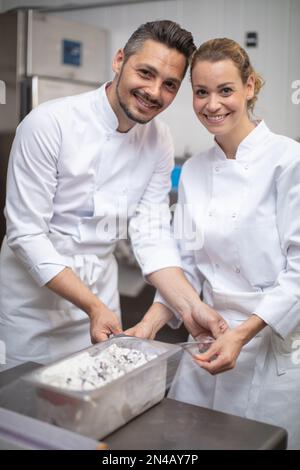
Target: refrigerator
42,57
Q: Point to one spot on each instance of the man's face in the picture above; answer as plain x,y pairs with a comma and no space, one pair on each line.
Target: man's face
147,82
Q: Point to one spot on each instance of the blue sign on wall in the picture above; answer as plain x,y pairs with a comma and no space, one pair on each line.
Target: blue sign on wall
71,52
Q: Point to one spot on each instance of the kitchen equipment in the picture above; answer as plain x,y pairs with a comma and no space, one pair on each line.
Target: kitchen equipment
43,57
22,432
200,346
98,412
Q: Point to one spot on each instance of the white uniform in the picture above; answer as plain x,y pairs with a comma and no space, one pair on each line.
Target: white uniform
245,258
72,182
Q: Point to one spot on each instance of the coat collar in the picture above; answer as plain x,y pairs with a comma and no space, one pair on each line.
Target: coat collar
108,116
255,138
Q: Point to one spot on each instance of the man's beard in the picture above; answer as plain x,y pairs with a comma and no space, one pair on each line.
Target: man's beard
127,111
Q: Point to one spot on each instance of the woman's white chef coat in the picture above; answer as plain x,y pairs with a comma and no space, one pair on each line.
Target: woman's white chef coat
242,250
73,181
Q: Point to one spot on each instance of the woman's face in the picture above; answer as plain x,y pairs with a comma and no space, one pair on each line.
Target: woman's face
220,97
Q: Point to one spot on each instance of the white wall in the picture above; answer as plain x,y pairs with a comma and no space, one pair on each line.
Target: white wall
276,57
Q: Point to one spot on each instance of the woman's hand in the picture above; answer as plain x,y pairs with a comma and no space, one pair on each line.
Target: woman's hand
223,353
155,318
143,329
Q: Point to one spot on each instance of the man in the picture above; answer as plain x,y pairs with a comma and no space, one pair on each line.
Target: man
78,166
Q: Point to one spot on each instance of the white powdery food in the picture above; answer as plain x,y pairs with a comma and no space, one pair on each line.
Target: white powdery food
86,372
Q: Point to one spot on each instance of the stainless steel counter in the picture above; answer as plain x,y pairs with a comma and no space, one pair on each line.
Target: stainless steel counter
174,425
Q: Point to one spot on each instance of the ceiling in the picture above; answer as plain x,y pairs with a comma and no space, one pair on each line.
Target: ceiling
6,5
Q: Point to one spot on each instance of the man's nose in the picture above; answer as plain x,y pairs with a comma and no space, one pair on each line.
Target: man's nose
155,89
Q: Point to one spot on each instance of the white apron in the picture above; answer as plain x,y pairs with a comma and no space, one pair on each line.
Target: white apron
38,325
264,385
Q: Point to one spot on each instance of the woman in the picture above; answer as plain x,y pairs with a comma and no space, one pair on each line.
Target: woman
243,197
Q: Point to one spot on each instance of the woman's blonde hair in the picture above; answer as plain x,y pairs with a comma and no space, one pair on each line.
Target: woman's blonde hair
224,49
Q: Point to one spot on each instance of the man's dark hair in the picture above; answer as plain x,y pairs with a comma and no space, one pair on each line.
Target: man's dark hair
165,32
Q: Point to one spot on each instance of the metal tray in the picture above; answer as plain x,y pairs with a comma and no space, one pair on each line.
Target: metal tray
96,413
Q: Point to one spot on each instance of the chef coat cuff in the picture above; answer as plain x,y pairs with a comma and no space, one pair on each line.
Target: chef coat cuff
280,311
176,320
39,257
43,273
152,260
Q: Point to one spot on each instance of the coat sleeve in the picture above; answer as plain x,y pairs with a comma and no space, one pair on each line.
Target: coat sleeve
149,227
280,308
185,235
31,186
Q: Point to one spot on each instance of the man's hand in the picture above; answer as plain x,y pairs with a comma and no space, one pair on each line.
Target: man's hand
198,317
103,323
204,319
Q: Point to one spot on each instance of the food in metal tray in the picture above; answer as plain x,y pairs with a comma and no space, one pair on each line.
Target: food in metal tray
87,372
146,368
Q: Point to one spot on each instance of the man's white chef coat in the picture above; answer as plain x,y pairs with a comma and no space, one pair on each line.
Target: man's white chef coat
72,181
69,167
